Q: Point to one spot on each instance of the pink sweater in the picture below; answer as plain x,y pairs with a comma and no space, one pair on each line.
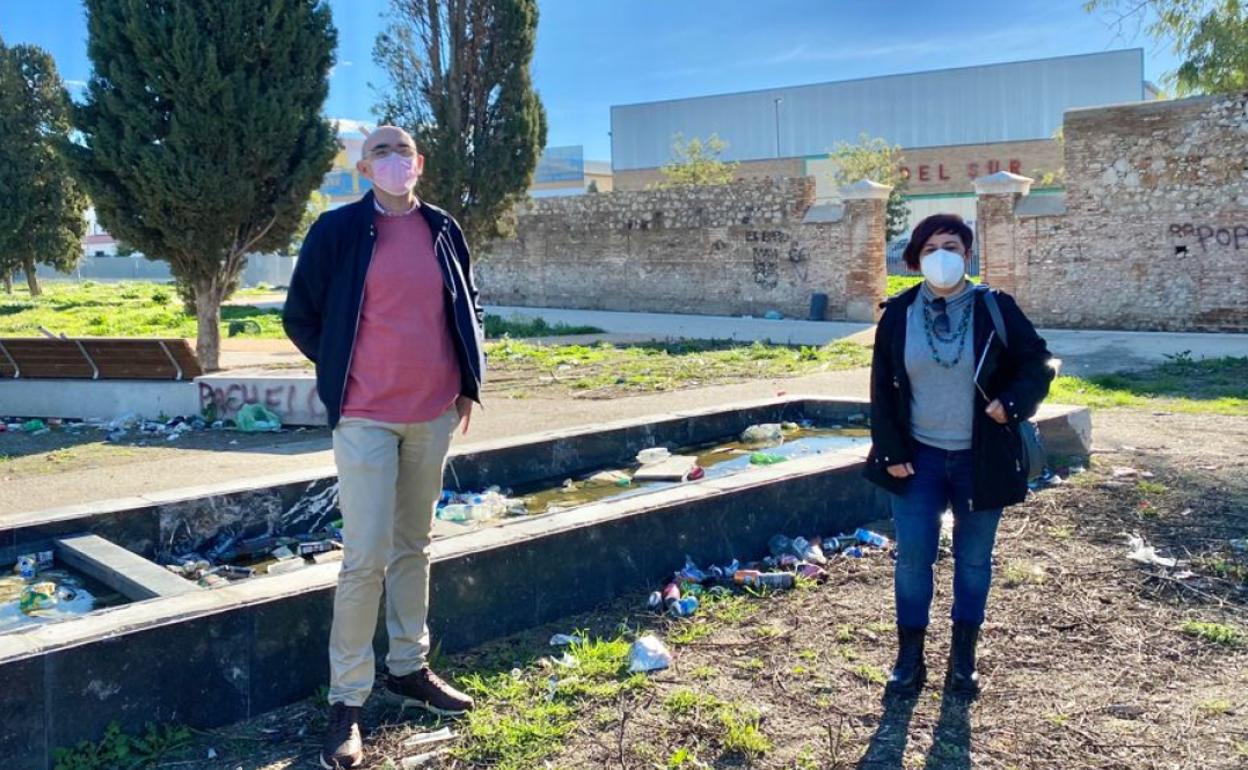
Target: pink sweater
404,367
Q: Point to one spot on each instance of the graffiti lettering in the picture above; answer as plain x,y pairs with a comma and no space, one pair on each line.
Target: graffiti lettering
1236,237
766,236
766,267
289,399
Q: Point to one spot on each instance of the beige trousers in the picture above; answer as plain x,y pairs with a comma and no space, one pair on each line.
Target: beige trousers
389,480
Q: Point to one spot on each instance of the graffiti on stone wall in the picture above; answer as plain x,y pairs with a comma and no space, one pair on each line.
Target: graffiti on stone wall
769,251
1055,252
289,399
1235,237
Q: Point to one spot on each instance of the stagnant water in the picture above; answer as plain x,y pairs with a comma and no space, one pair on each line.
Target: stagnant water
87,595
717,459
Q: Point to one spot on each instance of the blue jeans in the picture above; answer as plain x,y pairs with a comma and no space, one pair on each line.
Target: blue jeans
942,479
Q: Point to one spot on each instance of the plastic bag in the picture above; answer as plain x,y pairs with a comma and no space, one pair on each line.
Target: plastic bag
254,418
648,654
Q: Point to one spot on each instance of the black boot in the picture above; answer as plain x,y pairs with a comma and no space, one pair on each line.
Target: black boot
963,678
910,671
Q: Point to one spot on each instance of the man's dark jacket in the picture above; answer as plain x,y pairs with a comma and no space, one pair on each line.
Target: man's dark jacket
1018,375
322,310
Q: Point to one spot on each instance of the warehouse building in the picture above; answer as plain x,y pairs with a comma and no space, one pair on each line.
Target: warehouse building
953,125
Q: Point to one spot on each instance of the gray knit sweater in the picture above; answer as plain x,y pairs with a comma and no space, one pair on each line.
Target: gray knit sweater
942,399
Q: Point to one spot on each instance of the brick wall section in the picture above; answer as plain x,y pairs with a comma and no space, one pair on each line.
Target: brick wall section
1155,233
739,249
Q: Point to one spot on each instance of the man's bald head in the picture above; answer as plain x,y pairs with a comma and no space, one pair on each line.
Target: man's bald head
385,140
393,151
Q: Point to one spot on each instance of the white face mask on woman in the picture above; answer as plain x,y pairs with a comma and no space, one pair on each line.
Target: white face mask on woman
943,268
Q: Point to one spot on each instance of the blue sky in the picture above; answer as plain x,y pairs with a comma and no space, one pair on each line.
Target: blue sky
592,54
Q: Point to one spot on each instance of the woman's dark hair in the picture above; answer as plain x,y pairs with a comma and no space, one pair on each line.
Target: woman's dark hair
935,225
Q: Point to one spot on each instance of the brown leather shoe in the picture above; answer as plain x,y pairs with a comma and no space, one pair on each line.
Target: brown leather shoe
427,690
343,747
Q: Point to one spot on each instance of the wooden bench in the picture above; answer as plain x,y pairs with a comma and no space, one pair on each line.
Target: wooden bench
97,358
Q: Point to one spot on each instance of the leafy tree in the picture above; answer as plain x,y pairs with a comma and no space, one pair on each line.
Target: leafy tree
1053,177
1210,35
202,136
41,221
460,85
696,162
875,159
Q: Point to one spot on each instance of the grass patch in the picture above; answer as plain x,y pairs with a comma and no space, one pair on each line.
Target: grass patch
665,366
1146,487
704,673
869,673
1021,573
1182,384
1216,633
521,720
1216,707
685,702
121,310
688,632
742,734
497,326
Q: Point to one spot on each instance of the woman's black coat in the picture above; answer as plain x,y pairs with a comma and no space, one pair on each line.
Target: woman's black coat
1019,376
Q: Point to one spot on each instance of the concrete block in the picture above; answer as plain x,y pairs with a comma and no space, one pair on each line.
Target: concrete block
119,569
99,399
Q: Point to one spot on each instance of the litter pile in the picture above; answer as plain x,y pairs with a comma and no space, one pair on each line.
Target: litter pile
478,506
36,591
231,559
252,418
790,559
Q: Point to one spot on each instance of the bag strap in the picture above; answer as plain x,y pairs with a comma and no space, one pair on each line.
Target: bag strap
994,310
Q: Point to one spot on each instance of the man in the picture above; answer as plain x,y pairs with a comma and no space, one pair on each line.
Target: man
383,302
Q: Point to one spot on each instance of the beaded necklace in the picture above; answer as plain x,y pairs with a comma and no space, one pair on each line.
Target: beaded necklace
958,336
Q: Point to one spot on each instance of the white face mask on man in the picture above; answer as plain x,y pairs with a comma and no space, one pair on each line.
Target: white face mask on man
943,268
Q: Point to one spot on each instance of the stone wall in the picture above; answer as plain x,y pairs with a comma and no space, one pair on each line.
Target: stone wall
1153,233
739,249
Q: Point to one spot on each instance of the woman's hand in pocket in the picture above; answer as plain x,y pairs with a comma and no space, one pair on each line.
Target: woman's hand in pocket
996,411
901,470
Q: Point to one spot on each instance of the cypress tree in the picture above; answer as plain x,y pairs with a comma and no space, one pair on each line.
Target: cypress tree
202,135
41,221
460,84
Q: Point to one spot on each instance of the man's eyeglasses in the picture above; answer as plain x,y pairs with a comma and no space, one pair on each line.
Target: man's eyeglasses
386,150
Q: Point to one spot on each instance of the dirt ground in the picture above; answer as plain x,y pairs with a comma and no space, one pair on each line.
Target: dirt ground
1085,656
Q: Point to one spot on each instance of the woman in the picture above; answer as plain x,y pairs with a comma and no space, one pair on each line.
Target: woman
946,395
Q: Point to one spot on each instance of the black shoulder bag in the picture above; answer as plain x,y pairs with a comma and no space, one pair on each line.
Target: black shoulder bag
1030,445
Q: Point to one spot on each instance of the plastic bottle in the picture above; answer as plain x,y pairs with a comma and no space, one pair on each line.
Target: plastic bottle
779,545
685,607
867,537
808,551
671,595
455,512
755,579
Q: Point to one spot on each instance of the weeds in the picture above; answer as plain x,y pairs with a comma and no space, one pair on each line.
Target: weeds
1216,633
